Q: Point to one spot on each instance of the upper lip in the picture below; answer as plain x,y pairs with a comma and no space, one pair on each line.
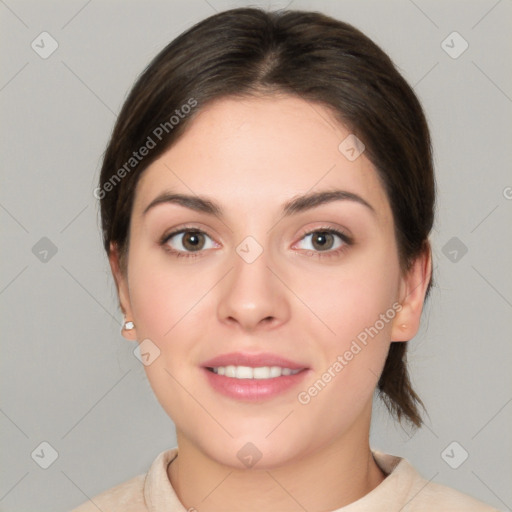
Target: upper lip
252,360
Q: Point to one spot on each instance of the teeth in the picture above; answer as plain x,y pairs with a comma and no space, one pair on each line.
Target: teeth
246,372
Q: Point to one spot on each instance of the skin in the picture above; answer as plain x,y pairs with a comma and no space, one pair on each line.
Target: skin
252,155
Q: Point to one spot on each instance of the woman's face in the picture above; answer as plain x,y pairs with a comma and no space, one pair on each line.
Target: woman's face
263,280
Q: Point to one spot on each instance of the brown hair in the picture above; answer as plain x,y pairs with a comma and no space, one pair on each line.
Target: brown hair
248,51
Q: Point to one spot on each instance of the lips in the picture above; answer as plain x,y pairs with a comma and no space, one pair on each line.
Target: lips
253,361
249,386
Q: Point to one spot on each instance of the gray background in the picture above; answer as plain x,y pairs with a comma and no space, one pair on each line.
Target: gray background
68,378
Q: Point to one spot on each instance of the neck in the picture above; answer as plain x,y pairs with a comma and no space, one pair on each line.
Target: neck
329,478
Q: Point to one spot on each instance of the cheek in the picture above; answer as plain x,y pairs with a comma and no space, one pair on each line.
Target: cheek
354,306
163,295
351,297
166,306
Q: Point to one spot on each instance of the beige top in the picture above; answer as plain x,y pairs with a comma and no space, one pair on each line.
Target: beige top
402,490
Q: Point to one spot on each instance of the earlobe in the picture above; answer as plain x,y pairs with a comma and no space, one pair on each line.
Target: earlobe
413,289
128,328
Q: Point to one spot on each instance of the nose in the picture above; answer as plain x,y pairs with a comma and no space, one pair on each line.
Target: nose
252,297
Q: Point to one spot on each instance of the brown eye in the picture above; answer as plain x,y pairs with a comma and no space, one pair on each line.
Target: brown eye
325,242
322,240
187,241
193,241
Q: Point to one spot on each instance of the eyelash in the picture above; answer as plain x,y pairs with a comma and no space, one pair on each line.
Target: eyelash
347,242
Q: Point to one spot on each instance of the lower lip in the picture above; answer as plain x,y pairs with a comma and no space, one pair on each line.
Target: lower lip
253,389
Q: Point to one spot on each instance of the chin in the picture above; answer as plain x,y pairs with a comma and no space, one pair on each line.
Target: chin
253,452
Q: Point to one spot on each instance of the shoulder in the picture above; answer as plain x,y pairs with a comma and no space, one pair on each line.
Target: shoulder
143,492
416,494
126,497
440,497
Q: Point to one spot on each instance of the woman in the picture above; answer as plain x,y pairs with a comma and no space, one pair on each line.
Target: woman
267,197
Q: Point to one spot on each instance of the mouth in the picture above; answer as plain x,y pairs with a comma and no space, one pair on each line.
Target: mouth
253,377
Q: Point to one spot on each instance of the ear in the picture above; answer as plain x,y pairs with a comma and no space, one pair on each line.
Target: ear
122,290
413,288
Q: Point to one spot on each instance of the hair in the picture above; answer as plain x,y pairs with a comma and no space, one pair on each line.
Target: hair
251,52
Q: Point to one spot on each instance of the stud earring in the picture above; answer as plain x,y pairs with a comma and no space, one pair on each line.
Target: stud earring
128,326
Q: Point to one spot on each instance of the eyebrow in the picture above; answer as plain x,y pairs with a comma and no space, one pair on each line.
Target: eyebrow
295,205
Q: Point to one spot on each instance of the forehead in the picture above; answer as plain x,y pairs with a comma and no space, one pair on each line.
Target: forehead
250,152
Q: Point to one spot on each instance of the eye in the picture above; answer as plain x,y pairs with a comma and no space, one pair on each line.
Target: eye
185,241
326,240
